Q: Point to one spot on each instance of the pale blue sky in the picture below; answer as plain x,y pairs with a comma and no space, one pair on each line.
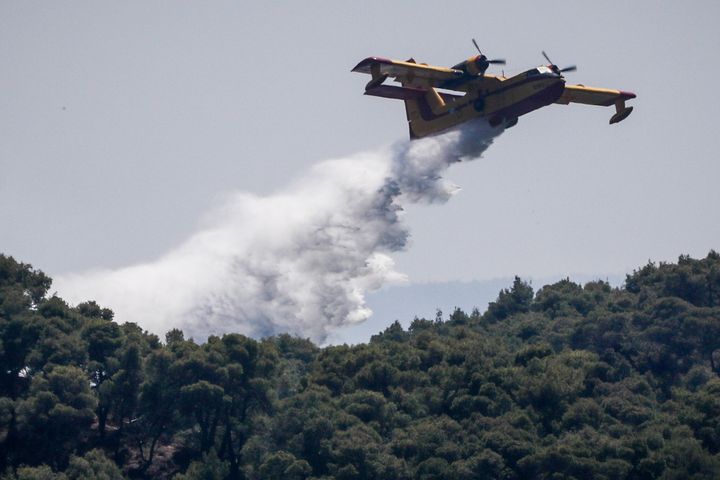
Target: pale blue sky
122,122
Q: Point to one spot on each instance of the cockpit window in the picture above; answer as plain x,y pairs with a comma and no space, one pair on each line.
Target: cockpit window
544,70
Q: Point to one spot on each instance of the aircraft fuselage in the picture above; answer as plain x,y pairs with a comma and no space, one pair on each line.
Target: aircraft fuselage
498,99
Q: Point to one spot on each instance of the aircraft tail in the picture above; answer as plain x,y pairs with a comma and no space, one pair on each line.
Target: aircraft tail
422,105
423,110
414,108
414,118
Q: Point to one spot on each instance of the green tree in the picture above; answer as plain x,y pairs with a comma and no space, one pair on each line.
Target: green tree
94,465
43,472
284,466
157,408
510,302
56,415
209,468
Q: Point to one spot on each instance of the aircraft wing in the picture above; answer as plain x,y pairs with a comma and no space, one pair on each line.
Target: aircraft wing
592,96
598,96
406,72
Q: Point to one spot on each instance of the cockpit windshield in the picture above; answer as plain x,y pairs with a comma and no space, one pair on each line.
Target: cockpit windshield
540,71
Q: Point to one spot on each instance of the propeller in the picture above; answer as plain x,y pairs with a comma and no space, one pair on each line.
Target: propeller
555,68
495,61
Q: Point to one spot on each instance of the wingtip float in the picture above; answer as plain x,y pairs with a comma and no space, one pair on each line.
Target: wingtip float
438,98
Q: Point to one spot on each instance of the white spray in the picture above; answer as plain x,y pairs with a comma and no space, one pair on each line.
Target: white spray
298,261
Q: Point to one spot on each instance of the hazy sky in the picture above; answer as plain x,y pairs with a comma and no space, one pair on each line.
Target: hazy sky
121,123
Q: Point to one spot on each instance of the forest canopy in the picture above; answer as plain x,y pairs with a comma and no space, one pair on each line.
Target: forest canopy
571,381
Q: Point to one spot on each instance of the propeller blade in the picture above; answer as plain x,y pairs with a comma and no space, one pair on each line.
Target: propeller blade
498,61
571,68
547,58
476,46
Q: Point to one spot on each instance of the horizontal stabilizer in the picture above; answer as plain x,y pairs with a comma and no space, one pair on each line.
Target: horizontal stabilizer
399,93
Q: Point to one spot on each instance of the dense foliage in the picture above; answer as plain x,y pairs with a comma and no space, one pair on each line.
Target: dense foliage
569,382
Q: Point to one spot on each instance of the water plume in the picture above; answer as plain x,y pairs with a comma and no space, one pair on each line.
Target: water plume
298,261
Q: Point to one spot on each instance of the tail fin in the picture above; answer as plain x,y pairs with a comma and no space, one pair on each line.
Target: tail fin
422,105
422,111
414,117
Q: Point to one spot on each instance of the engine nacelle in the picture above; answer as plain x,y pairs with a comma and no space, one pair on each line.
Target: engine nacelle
474,65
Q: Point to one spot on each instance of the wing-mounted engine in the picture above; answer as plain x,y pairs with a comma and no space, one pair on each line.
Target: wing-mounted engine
476,65
473,67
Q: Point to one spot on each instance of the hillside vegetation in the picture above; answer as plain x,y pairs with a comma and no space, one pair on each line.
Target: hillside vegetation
567,382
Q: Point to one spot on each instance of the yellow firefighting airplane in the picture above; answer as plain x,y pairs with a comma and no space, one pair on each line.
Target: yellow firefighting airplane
470,94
